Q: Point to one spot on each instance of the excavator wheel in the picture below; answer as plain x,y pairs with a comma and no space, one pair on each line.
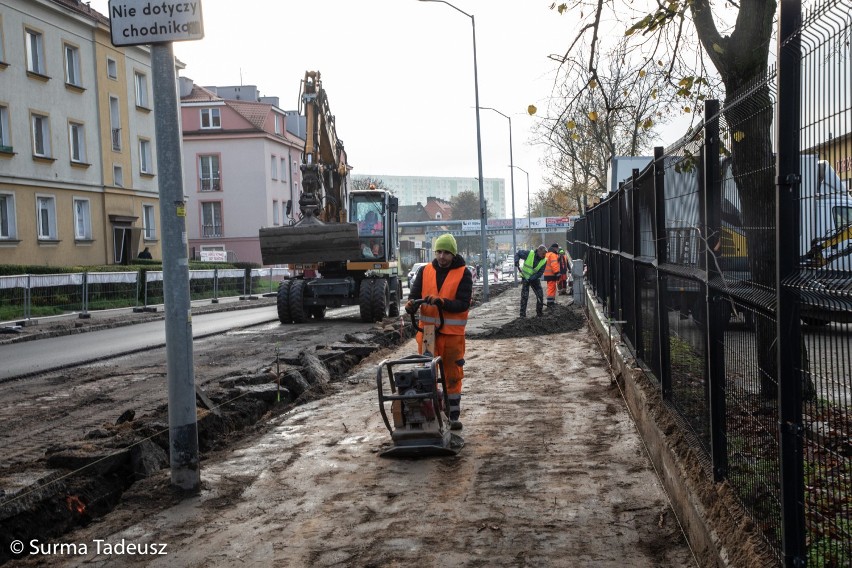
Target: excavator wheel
297,299
379,299
395,295
283,301
365,303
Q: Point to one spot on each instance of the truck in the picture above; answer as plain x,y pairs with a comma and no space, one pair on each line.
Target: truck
343,248
825,238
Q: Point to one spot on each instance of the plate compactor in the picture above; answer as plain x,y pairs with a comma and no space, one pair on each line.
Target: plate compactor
418,422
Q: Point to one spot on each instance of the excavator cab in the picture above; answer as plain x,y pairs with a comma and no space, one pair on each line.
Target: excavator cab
371,213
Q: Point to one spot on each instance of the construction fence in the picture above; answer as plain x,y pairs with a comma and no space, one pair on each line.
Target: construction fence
726,267
27,296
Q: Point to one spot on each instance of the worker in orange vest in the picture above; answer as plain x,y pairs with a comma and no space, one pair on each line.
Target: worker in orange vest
448,284
552,273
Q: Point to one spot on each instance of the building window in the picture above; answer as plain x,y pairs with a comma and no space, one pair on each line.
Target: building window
273,165
115,123
283,169
145,164
149,226
35,52
77,139
82,220
46,217
2,49
118,176
275,218
211,219
112,68
72,65
208,172
210,118
277,124
5,138
7,216
141,90
41,136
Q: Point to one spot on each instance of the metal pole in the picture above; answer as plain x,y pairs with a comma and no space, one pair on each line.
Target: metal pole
483,213
183,426
529,220
512,180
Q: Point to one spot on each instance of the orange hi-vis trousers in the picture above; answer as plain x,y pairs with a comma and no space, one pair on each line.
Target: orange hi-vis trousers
451,350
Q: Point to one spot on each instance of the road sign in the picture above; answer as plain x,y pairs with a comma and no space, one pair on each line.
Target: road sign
141,22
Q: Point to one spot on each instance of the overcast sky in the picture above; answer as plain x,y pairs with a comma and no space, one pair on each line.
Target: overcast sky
399,75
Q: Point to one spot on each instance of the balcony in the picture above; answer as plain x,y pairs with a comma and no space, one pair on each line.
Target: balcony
116,139
211,231
210,184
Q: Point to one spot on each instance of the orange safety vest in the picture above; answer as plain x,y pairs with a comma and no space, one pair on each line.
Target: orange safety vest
454,323
551,269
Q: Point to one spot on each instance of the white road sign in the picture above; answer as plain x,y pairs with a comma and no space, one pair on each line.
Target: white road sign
140,22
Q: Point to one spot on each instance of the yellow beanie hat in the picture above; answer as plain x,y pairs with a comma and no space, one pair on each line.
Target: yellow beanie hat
445,242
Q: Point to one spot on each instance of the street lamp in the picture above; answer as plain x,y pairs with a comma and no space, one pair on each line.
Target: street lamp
529,223
483,220
512,180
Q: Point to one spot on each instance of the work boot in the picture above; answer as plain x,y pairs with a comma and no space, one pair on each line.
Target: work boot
455,424
455,411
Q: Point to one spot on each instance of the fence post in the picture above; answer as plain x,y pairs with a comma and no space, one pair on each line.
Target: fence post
788,332
717,304
579,285
28,292
662,278
215,299
85,313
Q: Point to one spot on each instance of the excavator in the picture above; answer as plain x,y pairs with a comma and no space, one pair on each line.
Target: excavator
343,248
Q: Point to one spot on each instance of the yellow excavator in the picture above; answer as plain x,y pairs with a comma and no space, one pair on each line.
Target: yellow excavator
343,249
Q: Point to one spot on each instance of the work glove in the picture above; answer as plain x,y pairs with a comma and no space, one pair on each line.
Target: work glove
410,307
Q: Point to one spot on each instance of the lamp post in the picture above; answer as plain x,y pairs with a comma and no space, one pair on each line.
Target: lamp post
529,223
512,181
483,213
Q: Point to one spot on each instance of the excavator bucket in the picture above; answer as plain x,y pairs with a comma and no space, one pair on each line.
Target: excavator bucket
308,242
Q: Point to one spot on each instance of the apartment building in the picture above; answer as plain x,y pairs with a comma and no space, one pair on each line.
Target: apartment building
77,151
241,169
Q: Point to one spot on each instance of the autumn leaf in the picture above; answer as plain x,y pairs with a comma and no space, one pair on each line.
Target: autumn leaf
562,8
687,110
654,94
571,125
739,135
642,73
593,84
531,110
718,48
593,116
647,124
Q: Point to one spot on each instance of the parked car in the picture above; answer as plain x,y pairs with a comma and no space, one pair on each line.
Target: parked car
413,272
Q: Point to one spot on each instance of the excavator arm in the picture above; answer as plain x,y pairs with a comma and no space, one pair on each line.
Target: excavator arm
827,249
323,233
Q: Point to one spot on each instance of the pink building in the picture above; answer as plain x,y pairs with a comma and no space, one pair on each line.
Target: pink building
241,169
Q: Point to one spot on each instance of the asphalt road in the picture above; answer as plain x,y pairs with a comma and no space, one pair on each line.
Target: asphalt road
30,357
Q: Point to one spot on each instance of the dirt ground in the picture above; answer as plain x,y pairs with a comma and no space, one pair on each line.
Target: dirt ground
552,473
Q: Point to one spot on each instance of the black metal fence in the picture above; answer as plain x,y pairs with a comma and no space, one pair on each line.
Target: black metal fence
726,265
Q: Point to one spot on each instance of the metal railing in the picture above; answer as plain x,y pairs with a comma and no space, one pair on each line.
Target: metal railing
743,323
31,296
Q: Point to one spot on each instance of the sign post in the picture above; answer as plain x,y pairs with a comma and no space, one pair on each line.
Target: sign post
155,22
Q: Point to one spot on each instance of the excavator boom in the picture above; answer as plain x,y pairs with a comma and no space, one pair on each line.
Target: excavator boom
323,233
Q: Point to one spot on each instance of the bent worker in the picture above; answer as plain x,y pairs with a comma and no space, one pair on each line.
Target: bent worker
531,271
551,273
447,284
562,285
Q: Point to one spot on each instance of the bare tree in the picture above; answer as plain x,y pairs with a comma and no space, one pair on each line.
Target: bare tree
465,205
592,120
366,182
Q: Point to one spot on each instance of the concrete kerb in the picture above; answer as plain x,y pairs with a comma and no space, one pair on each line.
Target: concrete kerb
687,505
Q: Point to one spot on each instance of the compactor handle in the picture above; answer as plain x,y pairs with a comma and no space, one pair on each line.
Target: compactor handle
417,304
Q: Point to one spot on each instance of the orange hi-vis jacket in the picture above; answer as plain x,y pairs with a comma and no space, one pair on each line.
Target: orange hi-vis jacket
454,322
551,269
